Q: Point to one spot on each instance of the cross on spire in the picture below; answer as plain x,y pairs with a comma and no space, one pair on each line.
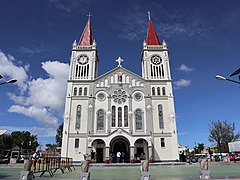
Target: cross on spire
149,15
89,15
119,61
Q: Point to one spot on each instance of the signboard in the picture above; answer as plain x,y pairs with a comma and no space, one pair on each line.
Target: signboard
234,146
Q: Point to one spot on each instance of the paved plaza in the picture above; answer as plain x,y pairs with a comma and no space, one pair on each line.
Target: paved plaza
129,172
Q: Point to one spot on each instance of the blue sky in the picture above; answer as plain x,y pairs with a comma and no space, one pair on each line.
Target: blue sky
35,43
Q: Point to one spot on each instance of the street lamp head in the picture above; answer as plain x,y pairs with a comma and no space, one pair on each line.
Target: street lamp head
218,77
11,81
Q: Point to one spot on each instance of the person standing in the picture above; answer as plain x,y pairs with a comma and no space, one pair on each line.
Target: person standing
118,156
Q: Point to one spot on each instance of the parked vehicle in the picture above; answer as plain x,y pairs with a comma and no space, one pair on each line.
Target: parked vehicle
234,157
4,159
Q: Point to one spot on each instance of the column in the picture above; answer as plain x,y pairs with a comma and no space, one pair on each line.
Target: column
150,153
130,115
132,153
89,149
107,154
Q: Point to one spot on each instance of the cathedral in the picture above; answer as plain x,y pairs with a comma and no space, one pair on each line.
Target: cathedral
120,112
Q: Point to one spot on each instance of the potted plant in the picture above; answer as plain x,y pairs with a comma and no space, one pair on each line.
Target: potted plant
107,161
132,159
151,159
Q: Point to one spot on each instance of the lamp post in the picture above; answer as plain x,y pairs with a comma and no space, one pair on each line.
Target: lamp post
7,82
218,77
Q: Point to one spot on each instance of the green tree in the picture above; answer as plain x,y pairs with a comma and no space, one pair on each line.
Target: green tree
59,135
24,140
221,133
6,141
199,148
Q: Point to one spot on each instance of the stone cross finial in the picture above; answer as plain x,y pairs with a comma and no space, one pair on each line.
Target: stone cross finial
119,61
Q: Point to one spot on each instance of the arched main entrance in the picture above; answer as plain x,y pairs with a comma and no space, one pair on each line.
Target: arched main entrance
120,144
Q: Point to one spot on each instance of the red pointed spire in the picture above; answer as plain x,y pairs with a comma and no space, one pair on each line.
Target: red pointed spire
152,38
86,38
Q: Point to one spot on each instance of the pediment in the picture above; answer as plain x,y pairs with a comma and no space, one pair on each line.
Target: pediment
121,76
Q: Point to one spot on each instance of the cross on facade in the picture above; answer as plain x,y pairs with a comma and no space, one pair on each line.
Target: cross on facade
119,61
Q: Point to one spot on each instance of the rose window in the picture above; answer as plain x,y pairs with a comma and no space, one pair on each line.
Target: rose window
119,96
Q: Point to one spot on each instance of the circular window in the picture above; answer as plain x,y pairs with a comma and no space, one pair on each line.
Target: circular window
119,96
138,96
101,96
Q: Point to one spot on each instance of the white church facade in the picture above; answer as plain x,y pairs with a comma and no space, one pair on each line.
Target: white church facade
120,111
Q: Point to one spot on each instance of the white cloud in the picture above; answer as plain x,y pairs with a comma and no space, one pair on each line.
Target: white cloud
68,6
184,133
40,132
132,25
41,99
42,115
181,83
32,51
184,68
50,92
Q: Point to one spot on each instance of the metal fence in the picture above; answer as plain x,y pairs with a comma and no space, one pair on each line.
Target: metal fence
51,165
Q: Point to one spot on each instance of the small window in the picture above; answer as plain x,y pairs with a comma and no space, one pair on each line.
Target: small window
85,91
75,91
153,91
158,91
80,91
162,142
163,91
76,143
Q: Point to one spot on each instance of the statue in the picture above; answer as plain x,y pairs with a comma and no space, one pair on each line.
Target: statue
27,172
204,173
204,164
144,168
85,175
85,164
27,165
145,165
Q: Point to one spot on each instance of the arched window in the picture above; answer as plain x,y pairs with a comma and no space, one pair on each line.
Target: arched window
163,91
80,91
125,116
78,117
100,119
158,91
119,117
160,116
85,91
153,91
113,116
139,119
75,91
